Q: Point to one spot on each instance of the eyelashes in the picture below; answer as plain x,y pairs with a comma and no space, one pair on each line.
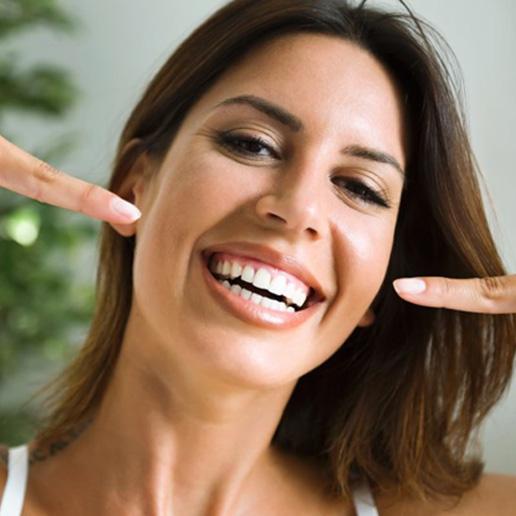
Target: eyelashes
250,146
357,188
234,142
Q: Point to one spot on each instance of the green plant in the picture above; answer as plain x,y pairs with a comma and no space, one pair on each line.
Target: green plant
43,302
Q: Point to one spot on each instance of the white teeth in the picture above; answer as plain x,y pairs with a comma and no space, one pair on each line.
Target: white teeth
236,289
299,297
266,302
278,285
246,294
236,270
289,291
256,298
273,304
279,305
248,274
262,279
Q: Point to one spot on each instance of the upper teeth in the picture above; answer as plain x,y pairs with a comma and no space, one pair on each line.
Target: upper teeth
262,278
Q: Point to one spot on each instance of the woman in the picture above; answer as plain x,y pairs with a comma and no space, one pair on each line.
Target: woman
248,353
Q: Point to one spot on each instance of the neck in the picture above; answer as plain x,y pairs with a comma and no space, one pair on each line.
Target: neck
166,439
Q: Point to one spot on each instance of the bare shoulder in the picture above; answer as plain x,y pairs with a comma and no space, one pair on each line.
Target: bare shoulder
495,495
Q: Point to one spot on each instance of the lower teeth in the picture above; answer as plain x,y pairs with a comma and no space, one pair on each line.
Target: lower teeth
257,298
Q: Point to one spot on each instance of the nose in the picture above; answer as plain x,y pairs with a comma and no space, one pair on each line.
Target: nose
294,204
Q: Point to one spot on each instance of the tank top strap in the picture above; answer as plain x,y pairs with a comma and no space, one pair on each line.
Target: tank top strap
17,472
363,499
18,468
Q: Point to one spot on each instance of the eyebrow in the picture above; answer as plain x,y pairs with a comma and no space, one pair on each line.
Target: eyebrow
295,124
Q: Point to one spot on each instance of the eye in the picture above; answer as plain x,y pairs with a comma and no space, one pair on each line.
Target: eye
245,145
248,145
359,190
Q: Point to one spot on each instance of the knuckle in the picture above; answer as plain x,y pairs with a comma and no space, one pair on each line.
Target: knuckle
490,289
44,174
87,196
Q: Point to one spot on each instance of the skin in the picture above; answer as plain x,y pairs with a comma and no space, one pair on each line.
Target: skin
201,442
495,295
211,386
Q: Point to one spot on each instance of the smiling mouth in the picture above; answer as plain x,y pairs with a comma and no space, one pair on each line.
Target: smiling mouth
290,305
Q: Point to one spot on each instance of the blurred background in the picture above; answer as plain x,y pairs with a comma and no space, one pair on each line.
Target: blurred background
71,72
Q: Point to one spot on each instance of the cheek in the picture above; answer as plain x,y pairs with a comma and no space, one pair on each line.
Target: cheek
203,190
196,195
371,249
364,247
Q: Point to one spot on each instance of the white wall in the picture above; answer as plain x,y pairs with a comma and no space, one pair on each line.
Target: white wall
123,42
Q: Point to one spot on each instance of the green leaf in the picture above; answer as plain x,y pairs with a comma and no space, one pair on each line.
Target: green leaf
44,89
18,15
43,303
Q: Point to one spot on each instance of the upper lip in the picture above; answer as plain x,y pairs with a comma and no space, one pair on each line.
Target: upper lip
270,256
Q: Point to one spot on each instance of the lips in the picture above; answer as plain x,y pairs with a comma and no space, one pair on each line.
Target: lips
272,258
253,312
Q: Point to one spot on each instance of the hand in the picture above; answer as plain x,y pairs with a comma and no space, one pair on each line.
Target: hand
29,176
495,295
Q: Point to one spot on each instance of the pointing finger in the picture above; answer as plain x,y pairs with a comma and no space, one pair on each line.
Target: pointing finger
494,295
27,175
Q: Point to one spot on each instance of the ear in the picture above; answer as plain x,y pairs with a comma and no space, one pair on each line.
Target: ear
367,319
133,185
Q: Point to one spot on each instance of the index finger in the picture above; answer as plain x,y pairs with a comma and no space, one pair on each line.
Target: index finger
27,175
493,295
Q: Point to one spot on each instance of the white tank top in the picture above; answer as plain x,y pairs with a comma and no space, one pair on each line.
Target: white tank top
18,470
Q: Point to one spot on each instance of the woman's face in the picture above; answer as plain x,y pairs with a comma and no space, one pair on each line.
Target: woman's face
324,193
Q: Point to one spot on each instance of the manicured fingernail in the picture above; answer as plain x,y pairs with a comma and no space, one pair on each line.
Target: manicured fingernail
128,210
409,286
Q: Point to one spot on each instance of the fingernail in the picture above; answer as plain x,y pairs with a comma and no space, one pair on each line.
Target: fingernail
128,210
409,286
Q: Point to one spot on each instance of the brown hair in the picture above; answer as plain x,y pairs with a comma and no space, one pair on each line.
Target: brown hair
399,402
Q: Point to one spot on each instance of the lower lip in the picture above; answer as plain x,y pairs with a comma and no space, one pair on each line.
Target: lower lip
252,313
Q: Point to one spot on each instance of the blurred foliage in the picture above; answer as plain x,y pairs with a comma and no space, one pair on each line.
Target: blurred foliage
43,88
42,301
17,15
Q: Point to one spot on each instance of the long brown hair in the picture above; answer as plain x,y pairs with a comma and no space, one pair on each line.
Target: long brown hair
400,402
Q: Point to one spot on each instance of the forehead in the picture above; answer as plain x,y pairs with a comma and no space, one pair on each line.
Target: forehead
332,85
331,56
